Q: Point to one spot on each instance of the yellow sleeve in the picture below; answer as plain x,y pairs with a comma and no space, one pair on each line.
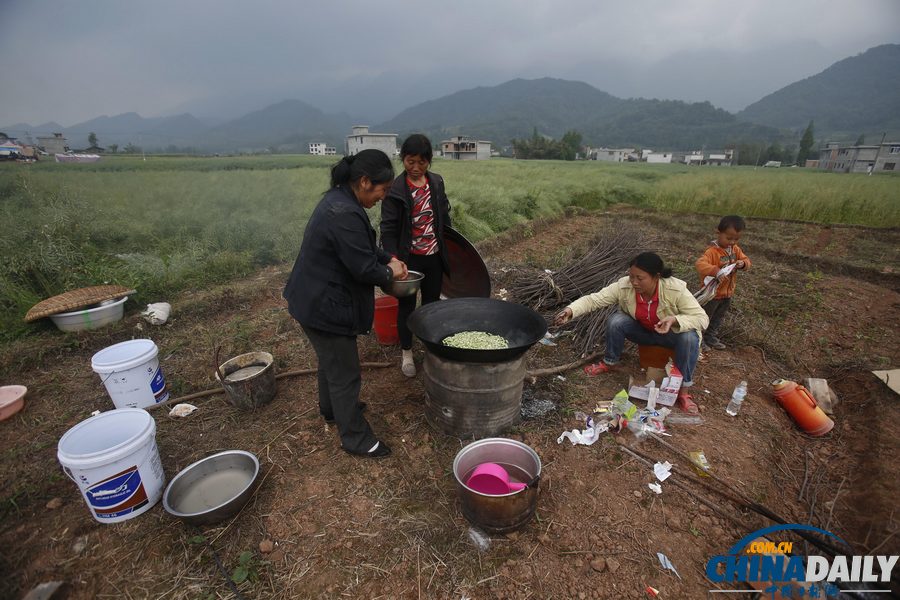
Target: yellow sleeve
605,297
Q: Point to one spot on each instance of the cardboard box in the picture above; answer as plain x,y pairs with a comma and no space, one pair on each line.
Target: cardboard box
668,390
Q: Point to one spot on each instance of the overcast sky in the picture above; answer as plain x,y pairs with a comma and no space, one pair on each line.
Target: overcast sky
72,61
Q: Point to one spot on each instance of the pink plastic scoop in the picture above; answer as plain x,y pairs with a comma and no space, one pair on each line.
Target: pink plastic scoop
493,480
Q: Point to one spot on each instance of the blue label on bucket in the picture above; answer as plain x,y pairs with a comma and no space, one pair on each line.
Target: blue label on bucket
117,495
158,386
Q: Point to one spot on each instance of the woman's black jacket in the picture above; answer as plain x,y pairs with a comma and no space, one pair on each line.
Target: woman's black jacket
331,285
396,217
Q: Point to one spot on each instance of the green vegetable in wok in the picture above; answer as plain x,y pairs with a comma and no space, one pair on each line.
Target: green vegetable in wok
476,340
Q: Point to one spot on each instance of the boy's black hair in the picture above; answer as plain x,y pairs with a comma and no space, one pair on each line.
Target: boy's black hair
732,221
416,145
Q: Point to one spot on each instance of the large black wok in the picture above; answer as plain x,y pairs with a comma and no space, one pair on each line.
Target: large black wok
520,325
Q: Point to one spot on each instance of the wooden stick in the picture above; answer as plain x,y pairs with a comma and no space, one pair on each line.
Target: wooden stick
672,478
219,390
562,368
741,500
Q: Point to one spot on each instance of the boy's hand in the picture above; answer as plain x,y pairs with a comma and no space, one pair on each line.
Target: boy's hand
740,264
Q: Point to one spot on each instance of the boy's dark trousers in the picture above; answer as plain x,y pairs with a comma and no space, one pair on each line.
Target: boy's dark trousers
716,310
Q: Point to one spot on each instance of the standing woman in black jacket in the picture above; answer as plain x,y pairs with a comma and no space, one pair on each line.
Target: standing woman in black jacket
413,218
331,290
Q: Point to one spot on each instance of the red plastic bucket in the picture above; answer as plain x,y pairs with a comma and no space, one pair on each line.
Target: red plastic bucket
386,320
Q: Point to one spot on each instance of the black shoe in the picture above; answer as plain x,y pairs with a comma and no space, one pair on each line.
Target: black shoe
381,450
330,420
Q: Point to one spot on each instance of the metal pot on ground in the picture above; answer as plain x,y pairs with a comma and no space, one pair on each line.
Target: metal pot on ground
502,513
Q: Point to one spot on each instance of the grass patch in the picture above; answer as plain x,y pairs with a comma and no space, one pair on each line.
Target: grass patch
167,224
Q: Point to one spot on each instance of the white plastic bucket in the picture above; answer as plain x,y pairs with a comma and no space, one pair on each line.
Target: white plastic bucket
115,462
131,373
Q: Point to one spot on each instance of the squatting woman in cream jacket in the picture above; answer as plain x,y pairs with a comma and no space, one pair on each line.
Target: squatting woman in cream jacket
655,309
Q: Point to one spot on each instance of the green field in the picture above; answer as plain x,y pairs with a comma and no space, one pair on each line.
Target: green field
167,224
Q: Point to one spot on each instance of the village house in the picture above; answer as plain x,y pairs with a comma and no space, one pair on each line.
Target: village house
465,148
361,139
859,159
719,159
12,149
693,158
610,154
656,157
320,149
53,144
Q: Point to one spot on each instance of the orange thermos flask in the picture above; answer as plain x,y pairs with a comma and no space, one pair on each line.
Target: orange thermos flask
802,407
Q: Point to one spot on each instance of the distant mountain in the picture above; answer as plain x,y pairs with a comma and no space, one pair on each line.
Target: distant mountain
511,109
128,128
857,95
552,106
288,125
860,94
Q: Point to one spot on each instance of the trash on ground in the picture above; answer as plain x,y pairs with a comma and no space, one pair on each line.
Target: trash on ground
157,313
680,418
560,377
548,338
652,591
662,470
655,487
182,410
824,395
668,389
590,434
44,591
666,563
480,539
891,377
622,406
701,465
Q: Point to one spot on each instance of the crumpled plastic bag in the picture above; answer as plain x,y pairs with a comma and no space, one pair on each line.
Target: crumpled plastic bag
157,313
587,436
182,410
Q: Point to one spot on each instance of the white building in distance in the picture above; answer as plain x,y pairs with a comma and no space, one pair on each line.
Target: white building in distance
610,154
656,157
465,148
361,139
320,149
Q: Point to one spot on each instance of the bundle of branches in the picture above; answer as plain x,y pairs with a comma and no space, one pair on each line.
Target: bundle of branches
605,261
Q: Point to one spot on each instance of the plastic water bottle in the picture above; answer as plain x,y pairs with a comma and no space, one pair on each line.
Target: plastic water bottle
737,396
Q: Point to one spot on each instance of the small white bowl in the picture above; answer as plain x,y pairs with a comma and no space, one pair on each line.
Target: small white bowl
91,318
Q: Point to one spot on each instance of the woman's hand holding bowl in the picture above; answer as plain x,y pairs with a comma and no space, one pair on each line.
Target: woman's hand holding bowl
398,268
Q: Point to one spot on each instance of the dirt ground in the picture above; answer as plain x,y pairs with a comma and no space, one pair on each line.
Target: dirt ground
819,301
